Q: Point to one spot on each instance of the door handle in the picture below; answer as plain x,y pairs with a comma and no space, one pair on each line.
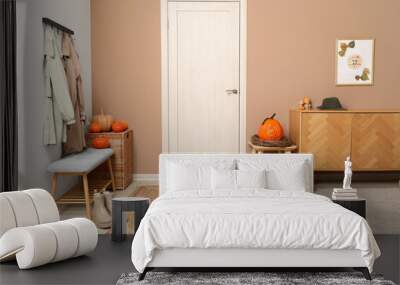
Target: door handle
232,91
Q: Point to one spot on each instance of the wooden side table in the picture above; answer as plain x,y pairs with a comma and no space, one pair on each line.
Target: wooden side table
358,206
272,149
139,205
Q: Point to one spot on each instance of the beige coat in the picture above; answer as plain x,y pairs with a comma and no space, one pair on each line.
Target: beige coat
75,132
59,110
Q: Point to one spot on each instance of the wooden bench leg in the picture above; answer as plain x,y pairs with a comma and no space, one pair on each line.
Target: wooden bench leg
87,199
111,174
54,185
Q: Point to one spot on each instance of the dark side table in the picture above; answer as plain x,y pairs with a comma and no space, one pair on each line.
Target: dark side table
138,205
358,206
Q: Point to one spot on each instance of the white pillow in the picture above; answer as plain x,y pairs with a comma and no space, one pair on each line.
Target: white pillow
223,179
251,178
292,179
185,177
290,175
190,174
237,179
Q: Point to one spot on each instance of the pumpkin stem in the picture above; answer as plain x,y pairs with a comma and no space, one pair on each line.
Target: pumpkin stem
273,115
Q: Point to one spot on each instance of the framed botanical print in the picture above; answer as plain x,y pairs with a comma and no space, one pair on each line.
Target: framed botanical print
355,62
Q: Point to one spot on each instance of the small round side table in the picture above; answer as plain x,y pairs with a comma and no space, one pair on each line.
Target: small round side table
139,205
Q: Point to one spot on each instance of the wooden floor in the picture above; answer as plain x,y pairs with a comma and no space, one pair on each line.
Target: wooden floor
147,191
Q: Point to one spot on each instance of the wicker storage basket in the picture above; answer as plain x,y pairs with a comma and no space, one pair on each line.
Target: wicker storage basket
122,160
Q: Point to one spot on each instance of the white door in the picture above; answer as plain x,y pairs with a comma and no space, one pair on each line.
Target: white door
203,83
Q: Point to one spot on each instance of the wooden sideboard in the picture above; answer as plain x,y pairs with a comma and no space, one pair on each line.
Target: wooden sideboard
370,137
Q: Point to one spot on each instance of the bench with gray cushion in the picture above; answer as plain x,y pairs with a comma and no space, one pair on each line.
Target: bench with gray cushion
81,164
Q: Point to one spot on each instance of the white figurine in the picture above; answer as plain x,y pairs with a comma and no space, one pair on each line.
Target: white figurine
348,173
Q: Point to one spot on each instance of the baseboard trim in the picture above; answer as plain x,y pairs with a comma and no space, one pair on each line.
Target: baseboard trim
145,178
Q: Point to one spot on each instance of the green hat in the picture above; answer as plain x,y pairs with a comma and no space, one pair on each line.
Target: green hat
331,103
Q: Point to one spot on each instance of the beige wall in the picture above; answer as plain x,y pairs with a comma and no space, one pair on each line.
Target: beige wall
291,54
126,71
291,47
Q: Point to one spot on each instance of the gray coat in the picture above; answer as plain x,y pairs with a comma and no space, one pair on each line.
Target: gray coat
59,111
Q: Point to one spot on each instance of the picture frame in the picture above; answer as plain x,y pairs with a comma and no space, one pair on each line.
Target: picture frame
355,62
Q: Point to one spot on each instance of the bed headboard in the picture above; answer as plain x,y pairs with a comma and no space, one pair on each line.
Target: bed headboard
271,159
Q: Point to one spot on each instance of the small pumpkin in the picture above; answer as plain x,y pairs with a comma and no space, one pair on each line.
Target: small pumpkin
105,121
101,142
271,129
119,126
94,127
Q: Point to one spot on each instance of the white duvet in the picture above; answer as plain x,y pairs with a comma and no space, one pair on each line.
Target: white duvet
252,218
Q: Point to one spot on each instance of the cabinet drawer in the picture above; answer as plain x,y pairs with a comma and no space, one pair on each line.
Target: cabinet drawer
376,141
328,137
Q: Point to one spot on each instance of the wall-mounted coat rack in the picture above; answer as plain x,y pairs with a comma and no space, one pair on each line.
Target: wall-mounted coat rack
57,25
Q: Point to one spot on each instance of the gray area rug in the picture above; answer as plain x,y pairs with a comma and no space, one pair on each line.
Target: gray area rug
269,278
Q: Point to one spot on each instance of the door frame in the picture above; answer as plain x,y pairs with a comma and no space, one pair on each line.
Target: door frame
165,75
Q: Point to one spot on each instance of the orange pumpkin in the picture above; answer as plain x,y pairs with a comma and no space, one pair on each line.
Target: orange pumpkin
101,142
94,127
270,129
105,121
119,126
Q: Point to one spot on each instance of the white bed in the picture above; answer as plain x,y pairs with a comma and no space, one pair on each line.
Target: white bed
198,222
